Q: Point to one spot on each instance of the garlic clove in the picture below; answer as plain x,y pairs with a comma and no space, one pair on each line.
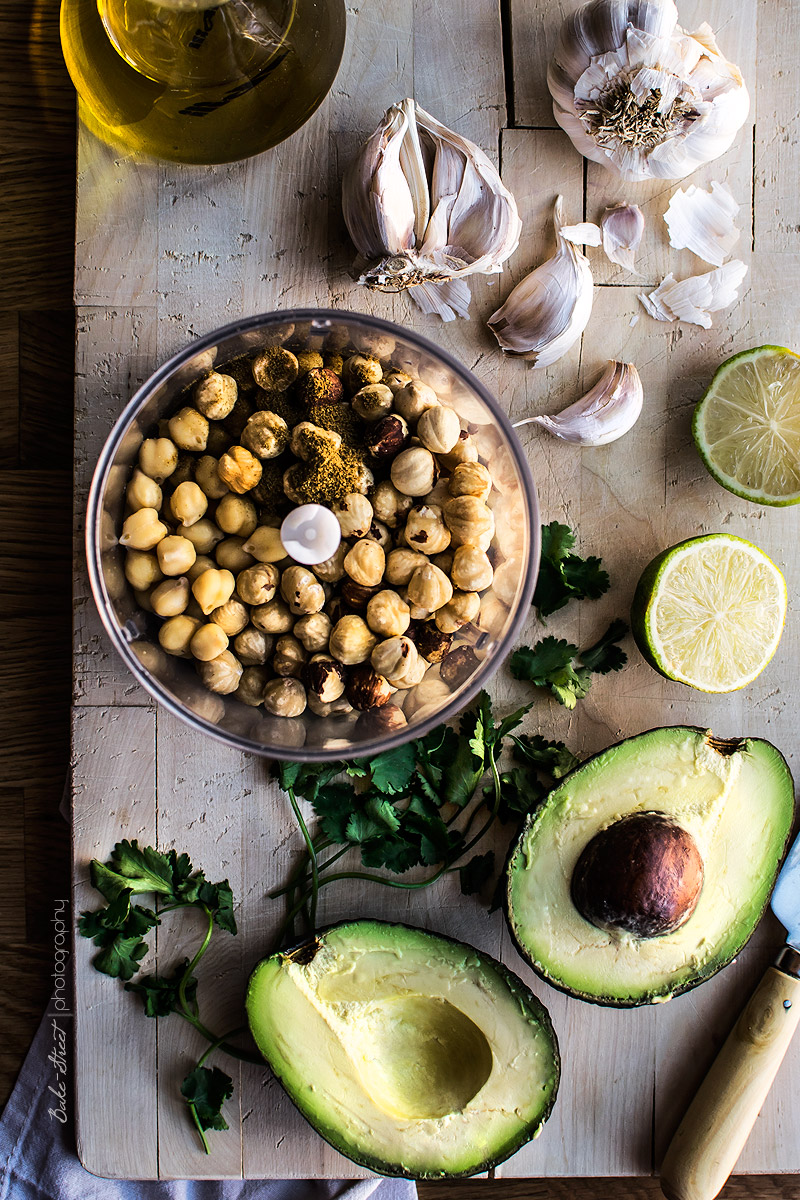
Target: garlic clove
584,234
622,227
608,410
703,222
694,299
549,309
376,199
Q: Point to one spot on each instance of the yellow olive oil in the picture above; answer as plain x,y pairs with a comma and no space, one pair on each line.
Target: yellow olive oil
175,80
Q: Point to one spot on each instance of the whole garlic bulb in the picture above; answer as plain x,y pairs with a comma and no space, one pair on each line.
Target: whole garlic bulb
425,207
636,93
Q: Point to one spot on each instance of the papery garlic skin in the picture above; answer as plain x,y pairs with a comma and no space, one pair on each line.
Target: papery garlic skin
636,93
622,228
608,410
703,222
549,309
694,299
584,234
425,207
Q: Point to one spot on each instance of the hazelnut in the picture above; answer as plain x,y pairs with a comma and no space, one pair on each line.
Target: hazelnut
387,437
507,579
289,656
376,722
401,565
252,646
275,369
351,640
439,429
320,385
414,471
356,597
366,689
429,588
330,708
266,435
464,608
314,631
373,402
415,399
427,698
387,614
395,380
365,563
458,666
431,642
360,371
471,479
389,506
470,521
216,395
395,658
354,514
221,674
251,685
493,616
258,584
285,697
308,360
464,451
332,569
380,534
471,570
425,529
272,617
232,617
240,469
302,591
324,677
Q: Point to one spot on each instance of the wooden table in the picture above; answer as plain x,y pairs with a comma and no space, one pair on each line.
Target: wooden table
165,253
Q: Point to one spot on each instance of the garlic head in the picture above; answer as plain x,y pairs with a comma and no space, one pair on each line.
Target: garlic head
549,309
425,208
605,413
636,93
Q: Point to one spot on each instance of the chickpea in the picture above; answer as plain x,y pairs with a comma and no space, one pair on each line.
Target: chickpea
236,515
401,565
471,479
389,505
425,529
208,642
351,640
189,429
221,674
415,399
470,521
175,635
184,472
365,563
266,434
272,617
253,647
289,656
414,471
240,469
439,429
216,395
314,631
429,589
285,697
373,401
231,554
471,570
206,475
142,530
302,591
332,569
158,458
142,569
204,535
143,600
464,608
175,555
194,610
395,659
354,514
142,491
201,563
188,503
251,685
258,584
507,579
219,438
387,614
170,598
232,616
212,589
264,543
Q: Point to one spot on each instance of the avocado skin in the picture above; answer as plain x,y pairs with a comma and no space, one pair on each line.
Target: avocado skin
651,997
518,989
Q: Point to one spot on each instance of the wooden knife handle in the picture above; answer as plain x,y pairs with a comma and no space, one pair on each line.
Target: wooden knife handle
711,1136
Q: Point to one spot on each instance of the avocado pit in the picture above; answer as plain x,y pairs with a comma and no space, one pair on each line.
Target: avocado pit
642,875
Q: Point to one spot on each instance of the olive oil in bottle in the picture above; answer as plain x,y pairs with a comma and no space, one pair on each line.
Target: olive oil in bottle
173,79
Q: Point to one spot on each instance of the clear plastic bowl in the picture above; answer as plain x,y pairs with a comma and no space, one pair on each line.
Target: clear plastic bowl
173,681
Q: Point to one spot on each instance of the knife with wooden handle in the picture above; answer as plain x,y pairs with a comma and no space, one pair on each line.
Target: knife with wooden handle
716,1126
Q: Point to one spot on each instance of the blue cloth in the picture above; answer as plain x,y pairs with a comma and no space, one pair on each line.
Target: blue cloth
38,1159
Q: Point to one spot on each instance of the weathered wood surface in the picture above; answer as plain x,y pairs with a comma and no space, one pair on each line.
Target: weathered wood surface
166,253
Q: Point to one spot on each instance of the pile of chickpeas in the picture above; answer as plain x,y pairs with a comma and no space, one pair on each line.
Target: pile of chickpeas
388,626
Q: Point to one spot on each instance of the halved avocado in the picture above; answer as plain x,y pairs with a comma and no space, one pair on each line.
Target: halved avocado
412,1054
649,866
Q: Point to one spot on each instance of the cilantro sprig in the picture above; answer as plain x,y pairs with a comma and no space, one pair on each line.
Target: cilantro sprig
557,665
119,931
563,575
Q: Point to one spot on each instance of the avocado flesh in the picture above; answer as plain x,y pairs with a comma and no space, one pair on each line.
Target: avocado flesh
738,805
411,1054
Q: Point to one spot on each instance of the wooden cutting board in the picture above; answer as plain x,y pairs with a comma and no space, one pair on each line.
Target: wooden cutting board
165,253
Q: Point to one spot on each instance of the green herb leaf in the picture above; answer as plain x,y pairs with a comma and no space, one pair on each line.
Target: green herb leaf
383,812
218,898
604,656
334,805
539,663
475,874
564,576
391,772
121,956
520,793
552,757
585,577
206,1090
159,993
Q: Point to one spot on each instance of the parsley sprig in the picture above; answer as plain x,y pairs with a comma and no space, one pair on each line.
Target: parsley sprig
563,575
119,931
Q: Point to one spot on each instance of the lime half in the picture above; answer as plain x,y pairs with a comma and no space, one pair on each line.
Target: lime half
709,612
747,426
